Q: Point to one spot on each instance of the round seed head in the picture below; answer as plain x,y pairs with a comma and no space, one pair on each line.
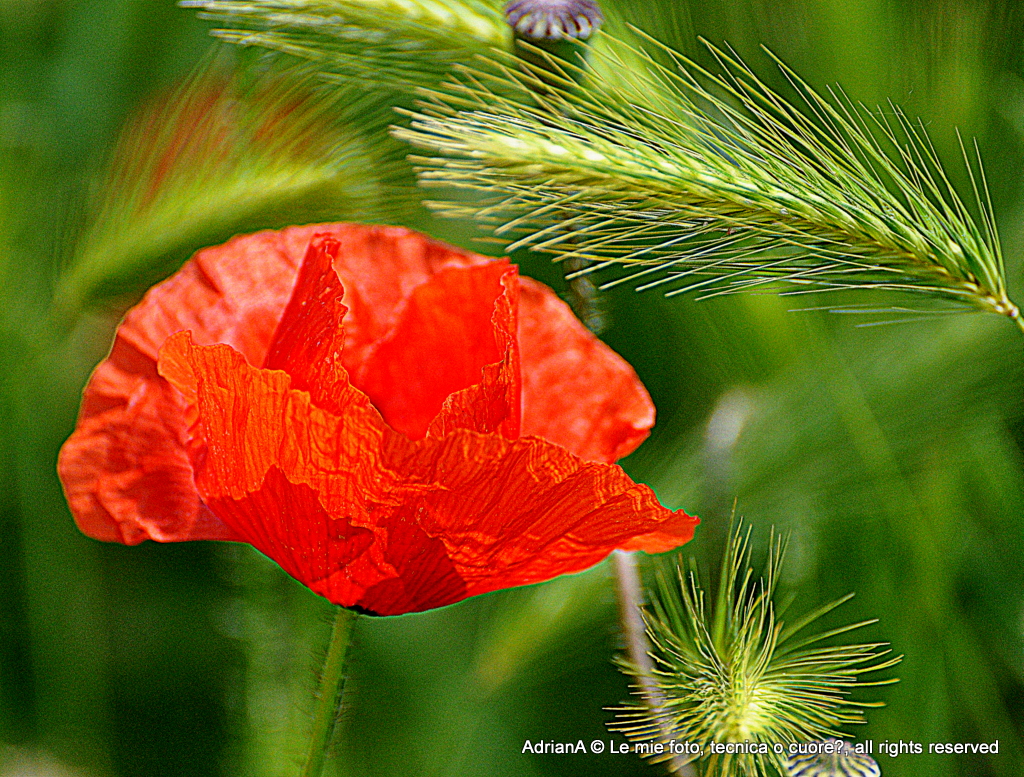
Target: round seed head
554,19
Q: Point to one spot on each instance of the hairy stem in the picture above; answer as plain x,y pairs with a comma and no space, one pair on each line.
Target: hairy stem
332,688
630,595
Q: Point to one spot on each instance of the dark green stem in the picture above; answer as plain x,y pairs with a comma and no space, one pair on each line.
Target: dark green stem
332,688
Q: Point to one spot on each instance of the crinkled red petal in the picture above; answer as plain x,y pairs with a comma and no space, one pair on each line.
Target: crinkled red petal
316,479
450,518
380,268
452,358
126,470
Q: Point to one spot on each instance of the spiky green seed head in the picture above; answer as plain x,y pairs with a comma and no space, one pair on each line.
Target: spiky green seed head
735,674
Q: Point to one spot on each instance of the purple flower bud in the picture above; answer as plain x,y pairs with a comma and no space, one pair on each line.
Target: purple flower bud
554,19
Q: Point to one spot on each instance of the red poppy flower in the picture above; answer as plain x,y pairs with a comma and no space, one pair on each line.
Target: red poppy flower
460,442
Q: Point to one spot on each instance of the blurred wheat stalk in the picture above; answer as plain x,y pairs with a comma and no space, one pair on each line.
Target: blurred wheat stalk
380,43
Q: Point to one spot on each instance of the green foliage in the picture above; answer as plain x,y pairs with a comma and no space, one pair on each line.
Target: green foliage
892,456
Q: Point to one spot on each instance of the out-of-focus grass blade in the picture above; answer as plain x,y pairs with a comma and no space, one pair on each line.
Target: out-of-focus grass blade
384,43
226,152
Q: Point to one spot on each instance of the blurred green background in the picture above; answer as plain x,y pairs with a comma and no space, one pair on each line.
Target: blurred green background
893,454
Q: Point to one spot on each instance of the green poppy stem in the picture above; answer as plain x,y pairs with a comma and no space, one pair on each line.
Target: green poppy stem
629,592
332,688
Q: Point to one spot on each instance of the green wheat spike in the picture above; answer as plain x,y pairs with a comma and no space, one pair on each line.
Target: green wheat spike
710,182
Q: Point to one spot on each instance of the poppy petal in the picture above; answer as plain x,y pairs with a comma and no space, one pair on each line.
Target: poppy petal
450,518
497,512
577,392
125,469
494,404
380,267
309,340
